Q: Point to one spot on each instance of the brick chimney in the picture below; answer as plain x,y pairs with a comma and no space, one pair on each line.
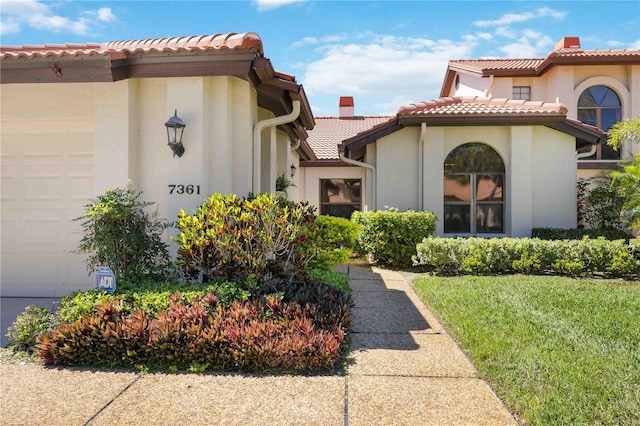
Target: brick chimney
346,106
568,43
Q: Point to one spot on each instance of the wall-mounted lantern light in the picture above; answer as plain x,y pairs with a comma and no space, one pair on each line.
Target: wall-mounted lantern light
175,127
293,170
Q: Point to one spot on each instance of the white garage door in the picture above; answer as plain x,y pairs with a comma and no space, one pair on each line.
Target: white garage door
47,178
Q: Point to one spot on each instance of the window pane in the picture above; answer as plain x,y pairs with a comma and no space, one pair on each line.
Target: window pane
457,188
609,153
340,197
489,187
457,218
609,116
473,157
489,218
522,93
586,100
588,116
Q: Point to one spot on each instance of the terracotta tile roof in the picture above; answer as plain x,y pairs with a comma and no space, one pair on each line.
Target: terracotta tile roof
480,65
456,106
537,66
230,41
330,131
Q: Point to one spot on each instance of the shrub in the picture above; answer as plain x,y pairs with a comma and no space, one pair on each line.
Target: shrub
233,238
119,233
530,256
603,204
391,236
338,237
202,334
331,277
30,324
578,233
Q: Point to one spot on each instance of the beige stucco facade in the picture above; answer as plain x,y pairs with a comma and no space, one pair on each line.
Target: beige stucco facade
62,144
564,84
540,181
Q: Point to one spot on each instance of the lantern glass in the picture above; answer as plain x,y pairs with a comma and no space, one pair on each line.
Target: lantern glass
175,129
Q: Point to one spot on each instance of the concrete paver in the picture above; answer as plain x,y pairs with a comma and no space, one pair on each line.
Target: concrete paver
188,399
411,354
385,400
37,395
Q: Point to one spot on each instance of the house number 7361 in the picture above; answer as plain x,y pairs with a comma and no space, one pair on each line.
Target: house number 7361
184,189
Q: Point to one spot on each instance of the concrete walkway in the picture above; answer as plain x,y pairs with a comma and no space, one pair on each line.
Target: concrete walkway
403,369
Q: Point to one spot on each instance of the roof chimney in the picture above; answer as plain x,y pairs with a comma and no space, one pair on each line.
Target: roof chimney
346,106
568,43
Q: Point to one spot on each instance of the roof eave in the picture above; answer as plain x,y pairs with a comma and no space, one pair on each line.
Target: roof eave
584,135
370,136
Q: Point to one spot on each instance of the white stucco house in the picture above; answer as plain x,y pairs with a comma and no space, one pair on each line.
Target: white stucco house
79,119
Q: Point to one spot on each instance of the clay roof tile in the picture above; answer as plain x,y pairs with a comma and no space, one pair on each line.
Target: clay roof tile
231,41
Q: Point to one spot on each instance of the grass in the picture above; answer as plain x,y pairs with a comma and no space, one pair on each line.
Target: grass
556,350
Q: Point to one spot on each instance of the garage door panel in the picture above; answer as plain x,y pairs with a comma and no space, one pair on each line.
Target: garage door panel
41,231
47,275
47,179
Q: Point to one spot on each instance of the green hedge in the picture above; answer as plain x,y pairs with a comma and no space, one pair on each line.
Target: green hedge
338,237
526,255
390,237
578,233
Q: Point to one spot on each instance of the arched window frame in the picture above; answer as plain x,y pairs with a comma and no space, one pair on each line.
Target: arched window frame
623,94
477,210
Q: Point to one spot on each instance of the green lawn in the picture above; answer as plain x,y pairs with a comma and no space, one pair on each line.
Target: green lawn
556,350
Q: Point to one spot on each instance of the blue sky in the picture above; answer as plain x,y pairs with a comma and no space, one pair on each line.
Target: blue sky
384,53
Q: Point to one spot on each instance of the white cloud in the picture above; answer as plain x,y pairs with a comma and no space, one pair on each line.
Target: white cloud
41,16
273,4
513,18
105,14
305,41
384,71
635,45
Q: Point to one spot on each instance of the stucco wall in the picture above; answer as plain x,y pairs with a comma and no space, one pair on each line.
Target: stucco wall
397,170
554,183
539,180
115,133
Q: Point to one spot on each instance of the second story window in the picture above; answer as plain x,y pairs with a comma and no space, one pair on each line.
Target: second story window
600,106
522,93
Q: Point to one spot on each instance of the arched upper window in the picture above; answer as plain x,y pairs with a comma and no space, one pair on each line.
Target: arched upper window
601,107
473,190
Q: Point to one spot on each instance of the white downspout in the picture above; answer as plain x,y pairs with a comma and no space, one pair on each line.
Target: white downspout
423,135
589,153
373,175
488,91
257,141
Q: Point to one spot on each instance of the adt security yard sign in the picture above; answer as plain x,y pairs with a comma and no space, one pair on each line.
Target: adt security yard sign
105,279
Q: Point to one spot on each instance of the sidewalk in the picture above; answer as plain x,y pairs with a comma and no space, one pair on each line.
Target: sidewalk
403,369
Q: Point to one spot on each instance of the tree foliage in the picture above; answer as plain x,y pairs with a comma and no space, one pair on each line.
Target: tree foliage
624,130
121,234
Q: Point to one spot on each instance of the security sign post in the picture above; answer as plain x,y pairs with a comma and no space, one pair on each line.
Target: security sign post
105,279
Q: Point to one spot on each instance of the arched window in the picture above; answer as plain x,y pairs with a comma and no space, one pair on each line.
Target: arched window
473,190
601,107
